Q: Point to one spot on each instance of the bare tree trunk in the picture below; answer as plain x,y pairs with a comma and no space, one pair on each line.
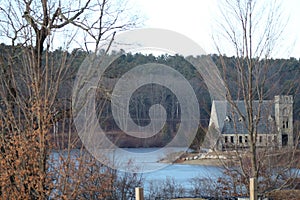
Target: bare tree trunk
31,78
252,31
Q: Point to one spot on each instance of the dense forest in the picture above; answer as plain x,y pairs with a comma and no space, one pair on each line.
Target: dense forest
281,77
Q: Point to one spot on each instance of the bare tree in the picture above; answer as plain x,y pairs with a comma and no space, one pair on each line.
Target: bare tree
251,30
31,91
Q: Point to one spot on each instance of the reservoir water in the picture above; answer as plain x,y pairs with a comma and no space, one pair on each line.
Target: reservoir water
146,160
155,172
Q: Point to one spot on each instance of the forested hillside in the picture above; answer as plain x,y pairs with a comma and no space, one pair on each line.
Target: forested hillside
281,77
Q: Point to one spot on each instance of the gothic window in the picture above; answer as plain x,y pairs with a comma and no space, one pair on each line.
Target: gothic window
227,119
260,139
287,99
226,139
240,139
270,118
241,119
285,112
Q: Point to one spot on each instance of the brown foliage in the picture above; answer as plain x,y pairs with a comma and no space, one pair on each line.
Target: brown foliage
30,78
285,195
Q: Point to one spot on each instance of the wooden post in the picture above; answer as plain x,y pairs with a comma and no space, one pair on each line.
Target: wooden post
139,193
253,187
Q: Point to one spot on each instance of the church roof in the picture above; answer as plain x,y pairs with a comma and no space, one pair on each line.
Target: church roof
232,117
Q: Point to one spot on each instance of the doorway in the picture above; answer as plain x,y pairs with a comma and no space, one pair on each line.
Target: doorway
285,139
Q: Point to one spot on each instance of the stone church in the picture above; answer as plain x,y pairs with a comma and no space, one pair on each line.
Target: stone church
273,122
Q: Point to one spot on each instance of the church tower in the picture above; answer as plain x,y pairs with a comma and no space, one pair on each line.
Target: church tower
284,119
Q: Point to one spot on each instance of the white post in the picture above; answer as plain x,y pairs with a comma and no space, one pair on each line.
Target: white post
139,193
253,186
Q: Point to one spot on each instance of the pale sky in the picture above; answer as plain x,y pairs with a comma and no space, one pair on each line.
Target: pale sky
195,19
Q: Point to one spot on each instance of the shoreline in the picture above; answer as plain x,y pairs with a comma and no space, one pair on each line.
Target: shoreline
206,162
194,159
230,158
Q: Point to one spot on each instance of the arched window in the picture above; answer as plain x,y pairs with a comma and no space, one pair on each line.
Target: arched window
240,139
260,139
226,139
270,118
285,112
241,119
227,118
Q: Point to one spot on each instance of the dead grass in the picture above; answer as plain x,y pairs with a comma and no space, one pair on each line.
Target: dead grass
285,195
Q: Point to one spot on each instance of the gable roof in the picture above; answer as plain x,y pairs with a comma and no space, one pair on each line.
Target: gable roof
231,118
